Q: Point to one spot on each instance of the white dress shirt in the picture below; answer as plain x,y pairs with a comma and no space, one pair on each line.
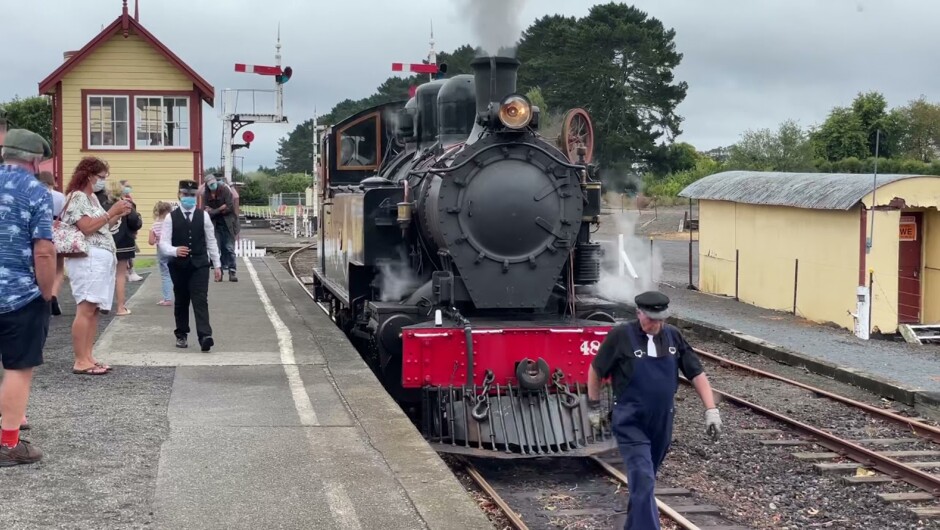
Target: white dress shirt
166,237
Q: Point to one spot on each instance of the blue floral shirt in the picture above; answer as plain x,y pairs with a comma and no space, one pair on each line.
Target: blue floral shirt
25,215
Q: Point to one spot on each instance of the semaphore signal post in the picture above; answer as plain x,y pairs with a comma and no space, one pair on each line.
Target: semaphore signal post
233,121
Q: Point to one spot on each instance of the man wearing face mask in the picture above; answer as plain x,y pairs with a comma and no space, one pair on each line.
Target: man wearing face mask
643,358
220,205
188,235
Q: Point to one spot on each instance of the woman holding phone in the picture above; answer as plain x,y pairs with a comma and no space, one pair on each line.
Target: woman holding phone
91,276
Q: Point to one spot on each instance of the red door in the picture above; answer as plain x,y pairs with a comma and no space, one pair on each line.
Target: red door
909,265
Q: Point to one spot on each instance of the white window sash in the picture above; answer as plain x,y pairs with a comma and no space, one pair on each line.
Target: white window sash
187,123
90,117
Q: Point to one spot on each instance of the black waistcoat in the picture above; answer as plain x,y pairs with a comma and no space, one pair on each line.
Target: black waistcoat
190,234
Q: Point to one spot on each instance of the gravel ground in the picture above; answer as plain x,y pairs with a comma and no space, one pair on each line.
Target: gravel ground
550,493
101,438
769,487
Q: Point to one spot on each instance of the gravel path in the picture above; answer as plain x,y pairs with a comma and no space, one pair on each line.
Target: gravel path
101,438
769,487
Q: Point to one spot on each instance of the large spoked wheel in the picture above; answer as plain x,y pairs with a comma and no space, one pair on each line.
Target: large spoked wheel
577,132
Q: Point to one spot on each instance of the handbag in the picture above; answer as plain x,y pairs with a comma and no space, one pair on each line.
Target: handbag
69,241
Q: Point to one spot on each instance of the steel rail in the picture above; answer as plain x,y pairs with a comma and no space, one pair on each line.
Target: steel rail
664,508
513,517
867,457
290,266
918,428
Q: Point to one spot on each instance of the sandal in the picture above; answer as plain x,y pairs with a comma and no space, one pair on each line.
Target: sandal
94,370
102,365
124,314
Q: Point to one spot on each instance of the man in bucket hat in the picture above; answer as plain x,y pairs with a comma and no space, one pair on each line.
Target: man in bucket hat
643,358
27,259
220,205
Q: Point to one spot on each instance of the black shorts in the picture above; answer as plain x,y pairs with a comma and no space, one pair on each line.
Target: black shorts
23,335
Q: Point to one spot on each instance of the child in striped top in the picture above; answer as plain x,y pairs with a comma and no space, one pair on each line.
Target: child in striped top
160,211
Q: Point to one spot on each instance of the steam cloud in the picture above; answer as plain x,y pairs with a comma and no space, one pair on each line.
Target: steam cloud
496,23
648,267
396,279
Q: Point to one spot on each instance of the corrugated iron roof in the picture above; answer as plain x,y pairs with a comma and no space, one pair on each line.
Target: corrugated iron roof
824,191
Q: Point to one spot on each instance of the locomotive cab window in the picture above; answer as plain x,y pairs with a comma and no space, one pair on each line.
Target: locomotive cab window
358,144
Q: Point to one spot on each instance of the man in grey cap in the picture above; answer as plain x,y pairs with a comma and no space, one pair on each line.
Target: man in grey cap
220,205
643,358
27,259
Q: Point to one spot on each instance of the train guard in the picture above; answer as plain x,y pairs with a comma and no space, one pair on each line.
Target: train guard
454,245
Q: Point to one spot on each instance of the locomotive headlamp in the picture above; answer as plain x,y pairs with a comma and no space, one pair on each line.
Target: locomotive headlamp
515,111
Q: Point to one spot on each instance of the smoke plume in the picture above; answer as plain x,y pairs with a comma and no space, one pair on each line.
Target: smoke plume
496,23
647,265
396,279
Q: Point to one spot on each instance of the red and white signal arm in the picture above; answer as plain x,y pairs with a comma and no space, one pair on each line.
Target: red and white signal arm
248,137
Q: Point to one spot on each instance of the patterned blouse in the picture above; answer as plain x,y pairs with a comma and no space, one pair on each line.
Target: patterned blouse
80,205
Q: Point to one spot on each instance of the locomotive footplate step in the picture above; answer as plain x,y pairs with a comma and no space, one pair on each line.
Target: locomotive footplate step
281,424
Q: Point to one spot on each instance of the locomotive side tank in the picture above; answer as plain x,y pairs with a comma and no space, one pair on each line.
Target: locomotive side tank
458,265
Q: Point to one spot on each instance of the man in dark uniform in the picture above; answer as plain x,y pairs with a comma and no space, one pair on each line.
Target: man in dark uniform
189,236
643,359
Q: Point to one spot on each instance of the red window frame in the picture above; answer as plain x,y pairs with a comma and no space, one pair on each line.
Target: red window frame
195,126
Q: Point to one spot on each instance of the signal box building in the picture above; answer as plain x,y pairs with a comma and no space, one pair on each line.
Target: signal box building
808,241
128,99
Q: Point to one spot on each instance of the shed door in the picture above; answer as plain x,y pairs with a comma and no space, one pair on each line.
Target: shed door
909,267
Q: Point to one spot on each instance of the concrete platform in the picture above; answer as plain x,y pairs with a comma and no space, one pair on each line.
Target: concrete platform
281,425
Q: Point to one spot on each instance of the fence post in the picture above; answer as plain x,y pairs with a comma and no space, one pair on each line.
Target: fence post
737,272
796,278
651,258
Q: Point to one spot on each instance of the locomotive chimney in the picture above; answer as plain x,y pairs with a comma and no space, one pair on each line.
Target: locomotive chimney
494,78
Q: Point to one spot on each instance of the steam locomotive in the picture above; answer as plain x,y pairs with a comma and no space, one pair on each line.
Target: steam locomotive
455,244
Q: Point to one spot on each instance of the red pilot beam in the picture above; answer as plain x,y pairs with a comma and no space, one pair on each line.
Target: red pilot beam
256,69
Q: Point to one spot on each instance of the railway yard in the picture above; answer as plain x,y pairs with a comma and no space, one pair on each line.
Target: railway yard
801,450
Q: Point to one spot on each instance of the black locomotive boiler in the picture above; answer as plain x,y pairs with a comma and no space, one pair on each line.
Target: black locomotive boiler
454,242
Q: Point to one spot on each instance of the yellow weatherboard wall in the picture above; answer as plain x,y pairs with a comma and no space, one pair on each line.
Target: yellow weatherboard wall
127,64
769,240
931,292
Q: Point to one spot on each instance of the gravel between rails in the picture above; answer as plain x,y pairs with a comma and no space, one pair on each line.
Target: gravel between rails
768,487
101,438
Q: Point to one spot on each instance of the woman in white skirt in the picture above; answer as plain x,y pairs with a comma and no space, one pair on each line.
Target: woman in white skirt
91,276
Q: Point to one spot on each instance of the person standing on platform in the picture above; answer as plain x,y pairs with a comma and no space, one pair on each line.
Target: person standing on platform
125,242
58,202
643,358
220,205
188,235
160,212
27,259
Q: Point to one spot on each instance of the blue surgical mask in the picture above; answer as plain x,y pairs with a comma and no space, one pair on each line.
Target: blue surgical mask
213,185
188,202
99,185
127,190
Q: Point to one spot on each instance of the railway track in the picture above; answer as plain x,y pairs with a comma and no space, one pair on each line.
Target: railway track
865,460
860,459
580,493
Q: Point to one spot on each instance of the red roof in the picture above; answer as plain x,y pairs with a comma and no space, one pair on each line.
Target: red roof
124,24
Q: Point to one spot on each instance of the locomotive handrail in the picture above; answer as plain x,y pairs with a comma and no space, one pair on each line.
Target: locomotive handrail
487,148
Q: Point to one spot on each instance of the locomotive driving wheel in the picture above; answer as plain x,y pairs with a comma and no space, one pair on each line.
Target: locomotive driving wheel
577,132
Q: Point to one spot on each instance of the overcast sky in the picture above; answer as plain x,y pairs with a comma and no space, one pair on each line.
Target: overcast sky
748,63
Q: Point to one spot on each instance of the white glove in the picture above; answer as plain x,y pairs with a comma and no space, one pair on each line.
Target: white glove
713,423
594,415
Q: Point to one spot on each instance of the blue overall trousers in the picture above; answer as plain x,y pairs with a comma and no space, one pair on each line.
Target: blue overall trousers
642,422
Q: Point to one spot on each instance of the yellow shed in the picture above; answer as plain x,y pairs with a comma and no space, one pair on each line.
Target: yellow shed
126,98
808,241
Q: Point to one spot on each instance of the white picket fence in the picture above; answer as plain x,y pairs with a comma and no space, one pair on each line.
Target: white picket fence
245,248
